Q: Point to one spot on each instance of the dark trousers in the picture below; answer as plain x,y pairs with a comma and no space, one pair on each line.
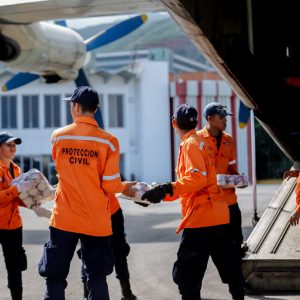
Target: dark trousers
196,246
236,225
120,247
15,259
97,257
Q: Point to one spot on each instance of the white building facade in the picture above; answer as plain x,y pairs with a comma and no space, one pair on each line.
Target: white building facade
135,108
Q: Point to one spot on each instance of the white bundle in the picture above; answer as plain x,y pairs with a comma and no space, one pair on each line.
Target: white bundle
139,188
40,193
232,181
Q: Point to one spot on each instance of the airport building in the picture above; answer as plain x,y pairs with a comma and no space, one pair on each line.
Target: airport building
138,92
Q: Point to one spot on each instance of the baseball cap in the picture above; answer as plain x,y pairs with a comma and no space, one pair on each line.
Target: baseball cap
185,112
5,137
84,95
215,108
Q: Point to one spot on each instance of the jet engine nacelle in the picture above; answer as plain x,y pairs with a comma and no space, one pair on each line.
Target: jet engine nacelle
43,48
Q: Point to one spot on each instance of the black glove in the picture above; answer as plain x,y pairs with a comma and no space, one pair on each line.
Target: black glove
159,192
142,204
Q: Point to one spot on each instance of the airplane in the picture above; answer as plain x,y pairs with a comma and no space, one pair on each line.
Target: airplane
254,49
54,51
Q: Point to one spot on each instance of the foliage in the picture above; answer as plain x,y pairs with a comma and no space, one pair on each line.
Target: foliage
270,160
158,32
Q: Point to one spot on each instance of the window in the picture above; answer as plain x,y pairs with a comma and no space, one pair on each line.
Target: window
9,111
69,119
101,106
115,110
42,162
122,165
52,111
31,111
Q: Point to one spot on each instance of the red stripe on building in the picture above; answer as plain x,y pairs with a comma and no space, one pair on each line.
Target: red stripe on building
181,89
199,104
234,118
171,103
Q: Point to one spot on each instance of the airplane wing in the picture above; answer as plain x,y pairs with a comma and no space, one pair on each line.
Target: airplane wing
256,49
28,11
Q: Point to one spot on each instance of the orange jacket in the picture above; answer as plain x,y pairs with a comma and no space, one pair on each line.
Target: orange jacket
9,211
224,159
298,193
87,162
196,186
114,204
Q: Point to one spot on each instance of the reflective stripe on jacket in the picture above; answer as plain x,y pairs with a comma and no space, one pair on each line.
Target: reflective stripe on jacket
9,202
87,162
196,186
224,159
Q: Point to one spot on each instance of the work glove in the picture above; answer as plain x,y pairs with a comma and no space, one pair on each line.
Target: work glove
25,186
142,204
41,211
159,192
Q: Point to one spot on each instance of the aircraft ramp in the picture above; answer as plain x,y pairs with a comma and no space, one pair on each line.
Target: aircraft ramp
272,262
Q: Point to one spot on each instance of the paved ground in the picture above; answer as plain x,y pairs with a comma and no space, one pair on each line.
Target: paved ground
151,233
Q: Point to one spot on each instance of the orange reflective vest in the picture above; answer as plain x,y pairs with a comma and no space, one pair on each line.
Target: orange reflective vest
9,202
298,193
196,186
114,204
87,162
224,159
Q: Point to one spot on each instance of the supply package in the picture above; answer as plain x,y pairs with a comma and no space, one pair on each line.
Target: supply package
139,188
40,193
232,181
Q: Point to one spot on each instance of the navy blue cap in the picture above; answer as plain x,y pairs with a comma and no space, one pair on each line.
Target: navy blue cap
5,137
84,95
215,108
185,112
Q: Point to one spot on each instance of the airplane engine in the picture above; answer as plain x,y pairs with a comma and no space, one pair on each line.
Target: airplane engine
42,48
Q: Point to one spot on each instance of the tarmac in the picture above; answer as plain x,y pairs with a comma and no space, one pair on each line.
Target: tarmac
154,244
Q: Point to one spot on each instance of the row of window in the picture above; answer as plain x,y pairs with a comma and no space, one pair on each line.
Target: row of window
52,111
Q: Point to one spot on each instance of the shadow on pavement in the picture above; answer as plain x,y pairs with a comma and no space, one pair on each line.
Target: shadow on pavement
35,237
152,228
139,229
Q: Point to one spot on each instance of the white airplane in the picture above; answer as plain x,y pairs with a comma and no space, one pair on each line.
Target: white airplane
52,51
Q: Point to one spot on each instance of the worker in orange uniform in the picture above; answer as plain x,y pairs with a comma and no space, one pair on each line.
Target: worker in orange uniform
295,216
121,250
87,162
205,214
222,148
10,220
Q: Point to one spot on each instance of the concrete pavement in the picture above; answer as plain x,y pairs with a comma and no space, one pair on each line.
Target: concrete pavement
151,234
